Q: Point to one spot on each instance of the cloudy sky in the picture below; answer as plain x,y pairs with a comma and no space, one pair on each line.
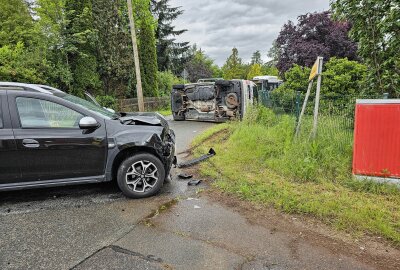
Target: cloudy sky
218,25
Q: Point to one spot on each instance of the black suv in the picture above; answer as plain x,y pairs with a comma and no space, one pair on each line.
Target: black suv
50,138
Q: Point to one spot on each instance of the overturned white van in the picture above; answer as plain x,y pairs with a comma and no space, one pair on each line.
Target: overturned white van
217,101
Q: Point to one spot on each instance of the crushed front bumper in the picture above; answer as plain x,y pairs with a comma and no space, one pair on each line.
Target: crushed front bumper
169,157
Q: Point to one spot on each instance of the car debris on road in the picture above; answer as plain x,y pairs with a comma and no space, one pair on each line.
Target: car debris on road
185,176
194,182
195,161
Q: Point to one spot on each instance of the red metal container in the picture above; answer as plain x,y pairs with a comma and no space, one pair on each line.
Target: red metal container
377,139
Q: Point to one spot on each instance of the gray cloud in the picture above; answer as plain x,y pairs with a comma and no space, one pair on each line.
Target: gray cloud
250,25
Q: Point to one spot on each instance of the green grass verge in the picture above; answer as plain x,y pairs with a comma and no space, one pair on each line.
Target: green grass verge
165,112
259,160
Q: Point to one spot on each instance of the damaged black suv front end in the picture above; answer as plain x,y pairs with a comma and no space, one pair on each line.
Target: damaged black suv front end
141,132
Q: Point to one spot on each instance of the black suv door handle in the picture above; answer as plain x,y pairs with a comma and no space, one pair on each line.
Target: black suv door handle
30,143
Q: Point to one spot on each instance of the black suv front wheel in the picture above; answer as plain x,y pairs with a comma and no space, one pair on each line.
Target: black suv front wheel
141,176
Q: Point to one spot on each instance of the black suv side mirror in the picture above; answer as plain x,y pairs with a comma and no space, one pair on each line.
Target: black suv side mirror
88,122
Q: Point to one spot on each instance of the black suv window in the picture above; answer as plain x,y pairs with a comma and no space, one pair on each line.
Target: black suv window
38,113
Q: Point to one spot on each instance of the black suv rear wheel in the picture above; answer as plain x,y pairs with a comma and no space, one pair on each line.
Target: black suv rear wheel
141,176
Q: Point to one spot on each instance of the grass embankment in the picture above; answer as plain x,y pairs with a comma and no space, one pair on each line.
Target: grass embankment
259,160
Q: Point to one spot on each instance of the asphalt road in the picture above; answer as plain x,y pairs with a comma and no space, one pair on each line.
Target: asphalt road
95,227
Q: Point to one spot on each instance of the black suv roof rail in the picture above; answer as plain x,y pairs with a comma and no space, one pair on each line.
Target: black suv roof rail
24,87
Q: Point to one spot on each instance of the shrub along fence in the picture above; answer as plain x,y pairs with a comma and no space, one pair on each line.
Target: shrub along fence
150,104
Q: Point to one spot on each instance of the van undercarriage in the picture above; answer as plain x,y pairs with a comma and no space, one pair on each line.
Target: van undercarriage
219,101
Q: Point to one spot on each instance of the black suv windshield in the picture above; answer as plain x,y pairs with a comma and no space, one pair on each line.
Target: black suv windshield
89,106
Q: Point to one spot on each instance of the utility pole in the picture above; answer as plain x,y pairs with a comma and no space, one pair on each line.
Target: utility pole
136,58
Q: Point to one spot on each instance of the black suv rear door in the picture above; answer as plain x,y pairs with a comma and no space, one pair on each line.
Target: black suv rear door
9,164
50,143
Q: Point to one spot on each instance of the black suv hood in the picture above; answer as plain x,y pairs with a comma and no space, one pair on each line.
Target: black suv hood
143,119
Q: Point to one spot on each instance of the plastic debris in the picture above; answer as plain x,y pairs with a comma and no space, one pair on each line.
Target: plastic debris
195,161
194,182
185,176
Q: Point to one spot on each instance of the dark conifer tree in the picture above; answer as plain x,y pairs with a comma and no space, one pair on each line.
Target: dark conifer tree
171,55
114,50
80,37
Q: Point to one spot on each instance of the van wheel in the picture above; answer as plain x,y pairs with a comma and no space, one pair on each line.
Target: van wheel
178,117
141,176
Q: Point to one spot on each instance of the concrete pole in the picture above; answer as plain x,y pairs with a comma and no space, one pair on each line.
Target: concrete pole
303,109
316,108
136,58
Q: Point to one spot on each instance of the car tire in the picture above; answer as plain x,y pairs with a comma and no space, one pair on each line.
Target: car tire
178,117
141,176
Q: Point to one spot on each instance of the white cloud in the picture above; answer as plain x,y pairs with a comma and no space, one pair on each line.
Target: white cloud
250,25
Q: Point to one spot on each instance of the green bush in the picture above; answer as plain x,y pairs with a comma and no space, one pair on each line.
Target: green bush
296,79
165,81
342,82
343,78
107,102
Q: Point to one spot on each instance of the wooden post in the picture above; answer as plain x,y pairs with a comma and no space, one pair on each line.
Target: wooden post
303,109
136,58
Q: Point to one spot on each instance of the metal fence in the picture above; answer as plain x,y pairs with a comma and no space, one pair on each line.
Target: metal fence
335,116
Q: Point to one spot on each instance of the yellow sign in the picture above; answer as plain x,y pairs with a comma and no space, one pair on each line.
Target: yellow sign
316,69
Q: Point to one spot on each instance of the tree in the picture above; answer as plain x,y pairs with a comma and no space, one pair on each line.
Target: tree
21,56
343,78
233,68
296,79
145,27
269,70
376,25
273,54
217,71
199,66
16,23
165,80
80,41
52,25
114,49
170,54
316,34
255,70
256,58
17,64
